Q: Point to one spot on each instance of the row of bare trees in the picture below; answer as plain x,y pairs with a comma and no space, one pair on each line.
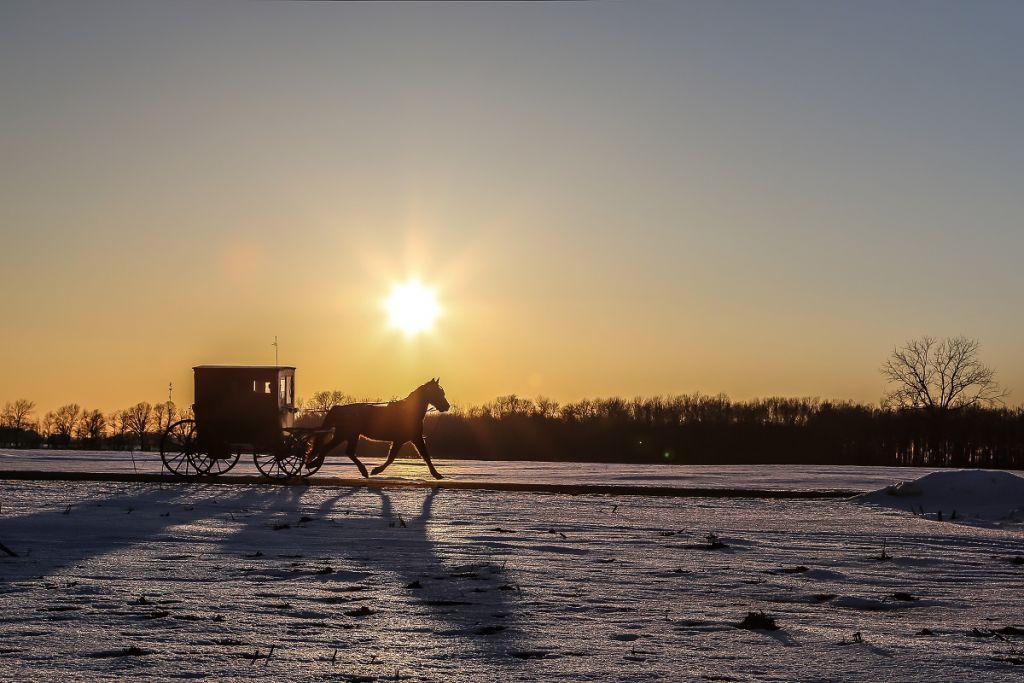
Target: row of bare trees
134,427
943,408
70,424
656,410
698,429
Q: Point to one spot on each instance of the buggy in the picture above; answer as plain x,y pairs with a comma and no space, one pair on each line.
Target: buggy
241,409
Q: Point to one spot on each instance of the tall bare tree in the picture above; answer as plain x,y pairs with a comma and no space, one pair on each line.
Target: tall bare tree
138,419
17,414
91,427
46,424
65,419
164,415
170,413
118,423
941,375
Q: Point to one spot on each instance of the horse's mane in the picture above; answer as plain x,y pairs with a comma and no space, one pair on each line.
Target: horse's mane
420,388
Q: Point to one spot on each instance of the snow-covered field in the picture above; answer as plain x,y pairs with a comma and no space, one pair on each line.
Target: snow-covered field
722,476
185,580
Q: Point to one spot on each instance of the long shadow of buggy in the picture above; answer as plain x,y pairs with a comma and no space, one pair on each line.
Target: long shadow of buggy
240,410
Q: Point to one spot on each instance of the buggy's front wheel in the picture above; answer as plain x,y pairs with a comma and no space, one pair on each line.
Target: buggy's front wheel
301,443
179,449
311,461
284,462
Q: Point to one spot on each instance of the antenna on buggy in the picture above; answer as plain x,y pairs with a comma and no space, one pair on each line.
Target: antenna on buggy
277,363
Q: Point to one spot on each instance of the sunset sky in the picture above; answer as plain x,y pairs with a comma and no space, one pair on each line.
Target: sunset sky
757,198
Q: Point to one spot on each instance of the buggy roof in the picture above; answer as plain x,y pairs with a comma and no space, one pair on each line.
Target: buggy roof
243,367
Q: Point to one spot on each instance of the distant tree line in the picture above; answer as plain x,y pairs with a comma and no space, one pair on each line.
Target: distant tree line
689,428
943,409
702,429
71,426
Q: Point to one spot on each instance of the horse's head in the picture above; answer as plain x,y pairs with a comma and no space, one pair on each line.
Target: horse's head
434,395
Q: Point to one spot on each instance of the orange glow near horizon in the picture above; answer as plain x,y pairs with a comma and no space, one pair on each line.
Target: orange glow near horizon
721,202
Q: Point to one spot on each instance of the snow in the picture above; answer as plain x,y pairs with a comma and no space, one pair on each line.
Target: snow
967,496
780,477
182,580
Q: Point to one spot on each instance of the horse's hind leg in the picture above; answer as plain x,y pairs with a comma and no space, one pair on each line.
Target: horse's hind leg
350,451
395,447
421,446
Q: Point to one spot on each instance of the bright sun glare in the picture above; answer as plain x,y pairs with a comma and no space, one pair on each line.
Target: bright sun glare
412,307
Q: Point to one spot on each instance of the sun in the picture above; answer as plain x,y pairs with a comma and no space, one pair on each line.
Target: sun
412,307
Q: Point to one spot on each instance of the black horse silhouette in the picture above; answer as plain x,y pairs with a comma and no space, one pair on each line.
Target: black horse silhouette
399,422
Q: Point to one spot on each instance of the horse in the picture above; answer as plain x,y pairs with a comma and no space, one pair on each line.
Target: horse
399,422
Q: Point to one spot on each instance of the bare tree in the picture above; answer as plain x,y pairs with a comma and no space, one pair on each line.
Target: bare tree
65,419
158,416
323,401
170,413
92,426
505,406
118,422
546,408
16,414
46,424
164,415
16,417
940,375
138,419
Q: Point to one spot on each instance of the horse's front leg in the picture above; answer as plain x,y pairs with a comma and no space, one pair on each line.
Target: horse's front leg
395,447
316,455
350,451
421,446
321,449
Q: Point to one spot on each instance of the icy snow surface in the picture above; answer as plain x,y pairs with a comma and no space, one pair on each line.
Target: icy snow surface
722,476
179,580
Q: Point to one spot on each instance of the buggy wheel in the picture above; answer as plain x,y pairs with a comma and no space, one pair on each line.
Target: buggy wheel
179,448
284,463
218,460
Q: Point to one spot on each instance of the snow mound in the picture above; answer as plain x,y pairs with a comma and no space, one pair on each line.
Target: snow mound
972,496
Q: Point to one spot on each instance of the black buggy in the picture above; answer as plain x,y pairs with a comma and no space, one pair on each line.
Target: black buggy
239,410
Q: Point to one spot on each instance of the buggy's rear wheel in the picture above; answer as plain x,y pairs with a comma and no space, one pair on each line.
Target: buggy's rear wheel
217,460
180,450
